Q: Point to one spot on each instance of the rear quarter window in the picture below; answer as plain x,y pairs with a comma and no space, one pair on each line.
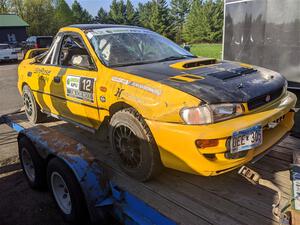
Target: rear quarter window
44,42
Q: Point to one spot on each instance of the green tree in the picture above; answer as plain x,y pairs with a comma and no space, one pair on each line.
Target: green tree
215,16
145,13
102,17
131,14
80,15
38,14
117,12
196,27
63,15
4,6
161,21
179,11
17,7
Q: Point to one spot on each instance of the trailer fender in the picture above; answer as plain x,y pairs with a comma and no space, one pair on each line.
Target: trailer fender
91,177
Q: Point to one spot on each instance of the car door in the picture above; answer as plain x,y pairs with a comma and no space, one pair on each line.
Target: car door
74,87
39,75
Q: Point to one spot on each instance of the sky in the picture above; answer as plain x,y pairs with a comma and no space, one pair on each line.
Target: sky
94,5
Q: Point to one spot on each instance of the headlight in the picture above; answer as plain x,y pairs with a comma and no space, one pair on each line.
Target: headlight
207,114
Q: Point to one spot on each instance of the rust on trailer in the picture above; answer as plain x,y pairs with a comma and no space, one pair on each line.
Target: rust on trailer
92,178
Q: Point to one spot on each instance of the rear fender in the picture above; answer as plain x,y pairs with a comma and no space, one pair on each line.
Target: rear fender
34,52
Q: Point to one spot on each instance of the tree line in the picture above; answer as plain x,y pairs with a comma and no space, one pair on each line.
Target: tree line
191,21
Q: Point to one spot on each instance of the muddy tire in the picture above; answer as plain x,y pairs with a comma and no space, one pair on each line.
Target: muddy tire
133,145
66,192
32,109
33,165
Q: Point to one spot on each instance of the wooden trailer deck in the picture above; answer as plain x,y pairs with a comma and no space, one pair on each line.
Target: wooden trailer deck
189,199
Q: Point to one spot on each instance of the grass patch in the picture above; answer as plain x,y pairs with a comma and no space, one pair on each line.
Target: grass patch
207,50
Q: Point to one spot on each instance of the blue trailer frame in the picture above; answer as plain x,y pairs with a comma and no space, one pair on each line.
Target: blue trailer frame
100,193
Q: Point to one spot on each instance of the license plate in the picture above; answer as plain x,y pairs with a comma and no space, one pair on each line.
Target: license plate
246,139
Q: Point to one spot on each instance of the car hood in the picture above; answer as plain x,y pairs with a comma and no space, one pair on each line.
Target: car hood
217,82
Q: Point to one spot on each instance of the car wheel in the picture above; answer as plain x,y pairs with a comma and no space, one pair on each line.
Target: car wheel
133,145
66,192
32,164
32,109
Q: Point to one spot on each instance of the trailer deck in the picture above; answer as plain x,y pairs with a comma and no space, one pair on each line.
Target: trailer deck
190,199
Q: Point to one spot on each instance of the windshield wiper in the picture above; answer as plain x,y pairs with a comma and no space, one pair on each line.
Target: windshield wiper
175,57
132,64
149,62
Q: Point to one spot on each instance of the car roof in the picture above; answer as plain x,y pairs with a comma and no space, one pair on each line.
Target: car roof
101,26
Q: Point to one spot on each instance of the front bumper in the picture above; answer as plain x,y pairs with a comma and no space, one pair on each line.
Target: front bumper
176,142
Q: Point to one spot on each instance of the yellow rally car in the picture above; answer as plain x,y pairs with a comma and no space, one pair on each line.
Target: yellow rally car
164,105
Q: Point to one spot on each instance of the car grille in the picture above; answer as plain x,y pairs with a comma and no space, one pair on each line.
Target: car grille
264,99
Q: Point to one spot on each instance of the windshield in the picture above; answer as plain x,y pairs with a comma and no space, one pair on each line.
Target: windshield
132,46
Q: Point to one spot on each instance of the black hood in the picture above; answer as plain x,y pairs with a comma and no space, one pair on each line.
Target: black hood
222,82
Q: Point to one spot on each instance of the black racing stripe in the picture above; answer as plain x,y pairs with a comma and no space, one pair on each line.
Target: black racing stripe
79,103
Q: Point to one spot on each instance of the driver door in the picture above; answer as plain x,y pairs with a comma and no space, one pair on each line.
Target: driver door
74,86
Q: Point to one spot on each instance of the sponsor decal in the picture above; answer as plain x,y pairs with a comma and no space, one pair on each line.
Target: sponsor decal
80,87
42,71
106,31
119,92
137,85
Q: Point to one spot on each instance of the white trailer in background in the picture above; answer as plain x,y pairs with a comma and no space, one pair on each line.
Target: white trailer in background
264,33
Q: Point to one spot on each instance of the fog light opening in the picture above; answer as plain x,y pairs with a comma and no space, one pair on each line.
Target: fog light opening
210,156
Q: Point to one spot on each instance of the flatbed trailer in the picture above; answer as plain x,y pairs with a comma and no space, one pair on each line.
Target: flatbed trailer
179,198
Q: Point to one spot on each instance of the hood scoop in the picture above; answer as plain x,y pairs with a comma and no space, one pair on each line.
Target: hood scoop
232,73
193,63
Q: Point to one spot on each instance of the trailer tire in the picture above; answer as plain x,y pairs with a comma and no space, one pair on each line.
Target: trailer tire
136,152
32,109
59,175
33,165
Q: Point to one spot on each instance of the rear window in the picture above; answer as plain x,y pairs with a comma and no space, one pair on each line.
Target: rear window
44,42
4,46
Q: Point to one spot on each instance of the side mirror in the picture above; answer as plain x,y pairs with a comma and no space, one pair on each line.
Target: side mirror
81,61
187,47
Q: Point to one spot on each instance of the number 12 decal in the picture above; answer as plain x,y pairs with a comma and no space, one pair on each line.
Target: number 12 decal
86,85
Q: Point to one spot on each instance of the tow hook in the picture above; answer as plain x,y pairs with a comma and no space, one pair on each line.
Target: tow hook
280,205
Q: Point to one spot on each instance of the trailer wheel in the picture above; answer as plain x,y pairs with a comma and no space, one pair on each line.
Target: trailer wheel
66,192
32,164
133,145
32,109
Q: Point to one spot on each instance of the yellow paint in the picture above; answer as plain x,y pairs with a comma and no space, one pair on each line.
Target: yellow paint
159,105
187,77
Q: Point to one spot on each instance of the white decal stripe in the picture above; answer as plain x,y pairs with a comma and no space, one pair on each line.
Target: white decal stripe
230,3
137,85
